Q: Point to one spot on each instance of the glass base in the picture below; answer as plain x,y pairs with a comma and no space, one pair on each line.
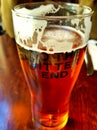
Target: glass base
51,122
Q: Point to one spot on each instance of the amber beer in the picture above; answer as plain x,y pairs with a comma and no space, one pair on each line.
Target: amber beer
51,77
51,41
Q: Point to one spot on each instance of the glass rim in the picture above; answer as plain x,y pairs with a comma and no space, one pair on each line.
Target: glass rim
51,17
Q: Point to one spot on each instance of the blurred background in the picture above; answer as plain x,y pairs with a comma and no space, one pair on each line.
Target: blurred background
7,5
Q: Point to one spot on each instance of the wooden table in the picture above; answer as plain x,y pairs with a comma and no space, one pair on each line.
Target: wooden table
15,108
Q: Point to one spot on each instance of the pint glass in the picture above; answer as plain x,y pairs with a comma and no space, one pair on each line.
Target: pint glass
51,41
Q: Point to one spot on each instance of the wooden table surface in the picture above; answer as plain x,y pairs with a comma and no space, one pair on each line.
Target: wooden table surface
15,109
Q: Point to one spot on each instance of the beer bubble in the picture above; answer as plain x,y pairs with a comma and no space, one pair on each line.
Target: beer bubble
37,35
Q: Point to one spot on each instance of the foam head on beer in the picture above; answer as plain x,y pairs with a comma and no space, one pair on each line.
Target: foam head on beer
37,36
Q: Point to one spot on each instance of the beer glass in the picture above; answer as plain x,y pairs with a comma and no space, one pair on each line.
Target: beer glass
51,41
